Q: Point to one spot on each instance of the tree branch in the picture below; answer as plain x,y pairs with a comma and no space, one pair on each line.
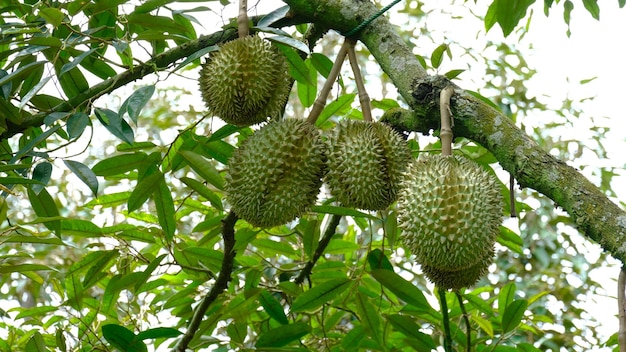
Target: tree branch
328,235
221,283
592,212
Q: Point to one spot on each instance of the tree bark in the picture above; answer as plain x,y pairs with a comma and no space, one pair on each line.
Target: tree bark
590,210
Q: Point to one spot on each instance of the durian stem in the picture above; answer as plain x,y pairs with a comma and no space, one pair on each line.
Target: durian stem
621,301
320,102
243,24
221,283
447,336
321,247
364,99
446,120
468,327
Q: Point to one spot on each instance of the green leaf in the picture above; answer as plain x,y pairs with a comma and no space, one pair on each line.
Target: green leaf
166,212
41,173
453,73
136,102
298,70
22,268
158,333
70,65
331,209
507,14
273,16
513,315
115,124
204,191
322,63
84,173
123,339
593,8
319,295
103,261
33,143
144,189
484,324
52,15
506,296
436,58
35,311
405,290
44,206
273,308
308,92
409,328
290,41
378,260
338,107
31,93
76,124
369,317
282,335
511,240
119,164
203,168
22,72
36,343
50,119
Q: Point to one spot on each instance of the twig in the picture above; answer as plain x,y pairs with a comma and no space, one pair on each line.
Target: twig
447,336
621,301
446,120
466,319
512,195
221,283
364,99
243,26
321,246
320,102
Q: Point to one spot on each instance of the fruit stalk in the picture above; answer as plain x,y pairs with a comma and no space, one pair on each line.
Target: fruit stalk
364,99
446,120
243,25
320,102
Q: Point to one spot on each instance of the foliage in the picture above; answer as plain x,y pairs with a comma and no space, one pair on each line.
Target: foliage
113,211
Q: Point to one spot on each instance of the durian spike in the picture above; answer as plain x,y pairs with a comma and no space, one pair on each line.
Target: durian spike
243,26
320,102
446,120
364,99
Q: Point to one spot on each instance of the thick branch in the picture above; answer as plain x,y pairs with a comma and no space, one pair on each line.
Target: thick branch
221,283
593,213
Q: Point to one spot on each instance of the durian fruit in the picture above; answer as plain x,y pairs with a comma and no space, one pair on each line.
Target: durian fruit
366,161
456,280
245,82
450,213
276,174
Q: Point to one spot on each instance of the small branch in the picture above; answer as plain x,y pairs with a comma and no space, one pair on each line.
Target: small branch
512,195
243,26
320,102
446,120
364,99
621,301
221,283
447,336
321,247
468,327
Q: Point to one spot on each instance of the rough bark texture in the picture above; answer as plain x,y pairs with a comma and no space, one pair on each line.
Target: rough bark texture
591,211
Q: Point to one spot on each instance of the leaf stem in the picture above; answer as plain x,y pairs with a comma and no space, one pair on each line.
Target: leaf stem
243,26
364,99
323,243
468,327
447,336
221,283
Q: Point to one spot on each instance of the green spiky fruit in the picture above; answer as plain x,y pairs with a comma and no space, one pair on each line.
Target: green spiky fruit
449,212
245,82
456,280
276,174
366,162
